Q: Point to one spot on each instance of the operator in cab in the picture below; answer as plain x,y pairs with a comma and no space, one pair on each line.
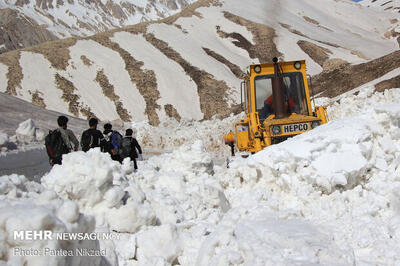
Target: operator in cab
268,107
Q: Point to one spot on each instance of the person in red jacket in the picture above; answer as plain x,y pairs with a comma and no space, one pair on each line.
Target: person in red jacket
290,104
268,108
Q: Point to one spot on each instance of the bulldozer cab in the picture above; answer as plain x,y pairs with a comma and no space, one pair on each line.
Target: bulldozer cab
276,99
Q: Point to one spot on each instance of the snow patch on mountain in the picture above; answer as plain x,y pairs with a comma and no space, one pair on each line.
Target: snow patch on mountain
167,75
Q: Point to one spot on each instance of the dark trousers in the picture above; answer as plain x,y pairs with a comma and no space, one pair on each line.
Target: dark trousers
134,163
56,160
116,157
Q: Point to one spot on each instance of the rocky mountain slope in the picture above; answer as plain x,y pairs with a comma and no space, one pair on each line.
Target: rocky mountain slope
388,5
26,23
188,66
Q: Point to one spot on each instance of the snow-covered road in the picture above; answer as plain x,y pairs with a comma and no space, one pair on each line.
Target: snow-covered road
30,163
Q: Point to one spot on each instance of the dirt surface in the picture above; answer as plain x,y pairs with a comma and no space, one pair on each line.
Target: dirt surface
56,52
86,61
14,74
346,77
68,88
317,53
37,99
172,112
264,48
388,84
234,68
313,21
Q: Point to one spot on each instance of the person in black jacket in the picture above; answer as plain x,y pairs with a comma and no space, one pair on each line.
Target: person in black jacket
129,146
92,137
67,137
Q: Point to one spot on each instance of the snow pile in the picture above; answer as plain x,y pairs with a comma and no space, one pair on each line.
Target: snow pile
336,186
180,186
100,187
366,98
26,205
171,134
26,131
184,194
253,235
3,138
158,245
3,142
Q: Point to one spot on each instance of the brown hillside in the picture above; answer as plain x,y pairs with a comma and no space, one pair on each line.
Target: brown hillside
346,77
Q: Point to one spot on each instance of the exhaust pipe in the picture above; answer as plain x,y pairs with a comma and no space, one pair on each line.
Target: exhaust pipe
278,93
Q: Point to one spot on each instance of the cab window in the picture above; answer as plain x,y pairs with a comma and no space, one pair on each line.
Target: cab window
295,96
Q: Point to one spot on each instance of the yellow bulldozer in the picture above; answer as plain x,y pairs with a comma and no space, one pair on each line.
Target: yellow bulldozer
276,99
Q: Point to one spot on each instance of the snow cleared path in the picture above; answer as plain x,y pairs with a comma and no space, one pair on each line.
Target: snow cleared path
33,164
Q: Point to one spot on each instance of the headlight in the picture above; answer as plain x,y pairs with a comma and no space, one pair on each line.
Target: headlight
276,129
315,124
257,69
297,65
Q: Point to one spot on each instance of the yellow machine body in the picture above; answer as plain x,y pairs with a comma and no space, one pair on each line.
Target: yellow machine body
260,127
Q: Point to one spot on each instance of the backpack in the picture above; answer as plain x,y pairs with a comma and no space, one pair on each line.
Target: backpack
126,147
86,141
55,145
116,140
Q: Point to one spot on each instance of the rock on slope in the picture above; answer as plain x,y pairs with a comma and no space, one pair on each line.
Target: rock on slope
188,66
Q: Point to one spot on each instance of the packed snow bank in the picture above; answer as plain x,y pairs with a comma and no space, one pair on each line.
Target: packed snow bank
180,185
186,198
256,236
169,194
342,179
350,104
26,205
100,187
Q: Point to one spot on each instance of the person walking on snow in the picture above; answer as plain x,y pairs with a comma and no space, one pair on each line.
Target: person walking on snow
67,136
92,137
113,142
129,146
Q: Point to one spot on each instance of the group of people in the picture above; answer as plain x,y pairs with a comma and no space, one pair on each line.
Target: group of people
62,141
